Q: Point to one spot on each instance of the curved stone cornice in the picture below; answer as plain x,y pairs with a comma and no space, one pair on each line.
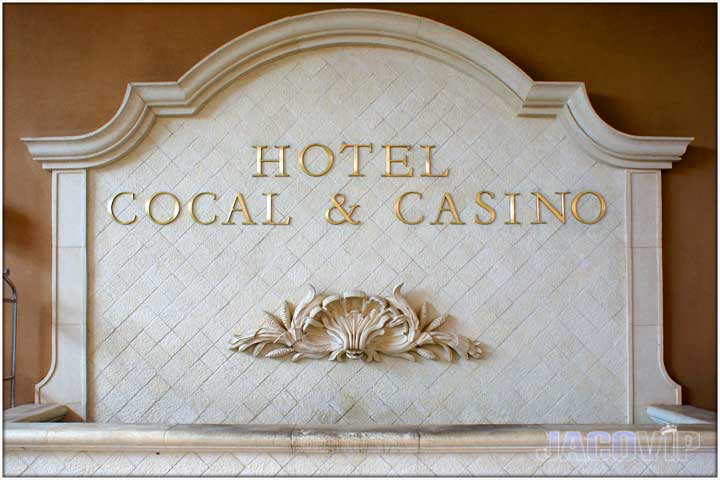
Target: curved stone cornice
355,27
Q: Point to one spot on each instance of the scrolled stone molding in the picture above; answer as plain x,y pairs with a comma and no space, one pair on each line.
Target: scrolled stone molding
354,27
570,102
355,326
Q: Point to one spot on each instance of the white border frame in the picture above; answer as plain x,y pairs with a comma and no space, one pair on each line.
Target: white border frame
70,157
648,380
66,381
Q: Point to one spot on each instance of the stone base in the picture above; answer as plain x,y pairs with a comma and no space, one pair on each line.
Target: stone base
355,464
85,449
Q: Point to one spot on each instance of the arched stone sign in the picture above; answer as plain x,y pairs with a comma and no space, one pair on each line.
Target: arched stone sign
504,202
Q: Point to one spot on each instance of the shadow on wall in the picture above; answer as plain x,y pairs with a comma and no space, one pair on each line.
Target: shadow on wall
688,283
610,106
20,237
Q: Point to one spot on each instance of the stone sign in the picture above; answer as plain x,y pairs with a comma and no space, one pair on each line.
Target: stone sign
351,152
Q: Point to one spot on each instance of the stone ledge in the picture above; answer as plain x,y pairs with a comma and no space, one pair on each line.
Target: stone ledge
681,415
32,412
401,439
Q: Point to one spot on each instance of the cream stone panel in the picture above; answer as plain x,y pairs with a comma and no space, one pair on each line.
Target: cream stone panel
548,302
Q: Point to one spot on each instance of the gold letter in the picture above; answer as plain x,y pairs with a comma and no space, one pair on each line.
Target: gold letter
539,197
448,200
481,202
428,163
111,208
328,152
513,219
389,161
261,161
191,208
269,212
399,214
243,207
356,156
176,208
338,202
576,213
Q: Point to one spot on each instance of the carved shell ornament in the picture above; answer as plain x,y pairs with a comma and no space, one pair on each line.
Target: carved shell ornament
355,326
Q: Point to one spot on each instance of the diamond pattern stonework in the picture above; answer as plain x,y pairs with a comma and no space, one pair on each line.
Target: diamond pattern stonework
223,464
547,302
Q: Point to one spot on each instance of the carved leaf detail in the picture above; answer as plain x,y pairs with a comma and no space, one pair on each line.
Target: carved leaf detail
354,326
258,349
279,352
438,322
447,352
425,353
424,314
285,316
274,321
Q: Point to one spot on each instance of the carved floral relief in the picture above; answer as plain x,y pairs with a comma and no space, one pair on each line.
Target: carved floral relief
355,326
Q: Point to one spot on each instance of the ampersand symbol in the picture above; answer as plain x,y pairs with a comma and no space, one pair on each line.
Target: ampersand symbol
338,202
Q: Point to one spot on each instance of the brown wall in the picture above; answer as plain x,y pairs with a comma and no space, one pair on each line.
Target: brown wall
650,70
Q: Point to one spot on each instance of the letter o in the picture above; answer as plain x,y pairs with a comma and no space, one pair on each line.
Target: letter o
176,209
576,213
328,152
